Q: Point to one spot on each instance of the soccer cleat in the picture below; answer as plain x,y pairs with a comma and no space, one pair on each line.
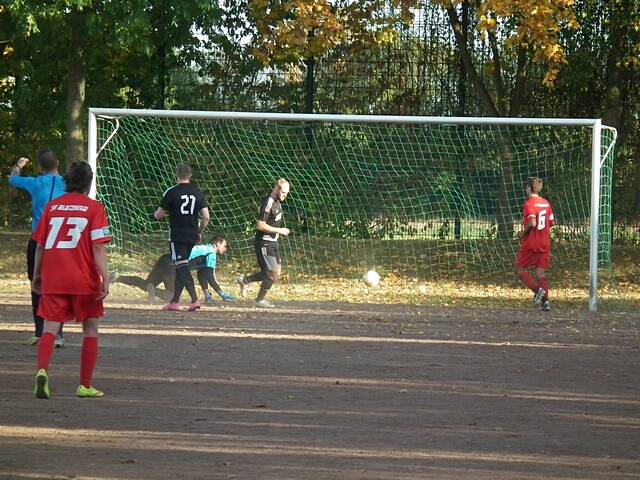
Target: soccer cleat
88,392
208,300
151,293
264,304
31,341
226,297
41,389
194,306
173,307
538,297
59,341
546,306
243,287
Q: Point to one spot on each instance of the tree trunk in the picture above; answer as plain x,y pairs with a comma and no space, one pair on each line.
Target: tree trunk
162,75
76,85
462,108
308,99
467,62
614,84
503,217
310,85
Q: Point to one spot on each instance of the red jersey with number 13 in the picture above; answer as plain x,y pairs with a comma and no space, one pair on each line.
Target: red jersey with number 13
538,239
69,227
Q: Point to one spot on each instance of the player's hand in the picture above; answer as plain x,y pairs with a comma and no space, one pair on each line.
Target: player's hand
22,161
521,234
104,290
36,285
284,231
227,297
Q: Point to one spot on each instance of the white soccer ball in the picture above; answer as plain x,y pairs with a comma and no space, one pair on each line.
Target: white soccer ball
371,278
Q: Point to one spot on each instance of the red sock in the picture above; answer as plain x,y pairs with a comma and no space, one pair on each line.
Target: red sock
88,359
45,350
528,281
545,286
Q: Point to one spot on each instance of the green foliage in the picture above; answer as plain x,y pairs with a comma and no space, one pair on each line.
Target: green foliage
197,54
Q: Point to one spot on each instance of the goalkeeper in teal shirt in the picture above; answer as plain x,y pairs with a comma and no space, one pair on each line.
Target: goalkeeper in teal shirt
204,259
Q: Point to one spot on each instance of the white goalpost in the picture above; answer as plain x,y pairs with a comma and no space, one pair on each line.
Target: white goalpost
421,197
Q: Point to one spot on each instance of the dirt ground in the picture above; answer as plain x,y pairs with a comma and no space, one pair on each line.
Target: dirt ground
329,391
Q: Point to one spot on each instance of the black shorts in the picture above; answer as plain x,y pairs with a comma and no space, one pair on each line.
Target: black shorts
268,256
180,251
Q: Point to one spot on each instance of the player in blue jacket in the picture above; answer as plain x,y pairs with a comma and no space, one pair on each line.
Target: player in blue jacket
41,190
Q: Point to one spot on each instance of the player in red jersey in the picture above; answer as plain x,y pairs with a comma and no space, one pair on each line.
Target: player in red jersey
535,243
71,273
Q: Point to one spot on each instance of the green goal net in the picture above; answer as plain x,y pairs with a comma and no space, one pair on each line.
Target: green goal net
415,197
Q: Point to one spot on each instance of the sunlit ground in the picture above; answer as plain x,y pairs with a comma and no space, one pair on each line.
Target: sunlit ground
313,392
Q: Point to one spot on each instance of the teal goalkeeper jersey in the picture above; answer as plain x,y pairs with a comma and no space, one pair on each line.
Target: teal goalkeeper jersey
205,249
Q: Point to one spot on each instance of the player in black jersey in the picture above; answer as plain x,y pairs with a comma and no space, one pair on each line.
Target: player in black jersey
268,229
183,203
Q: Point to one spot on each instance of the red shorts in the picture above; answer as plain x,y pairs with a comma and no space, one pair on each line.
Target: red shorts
529,259
63,308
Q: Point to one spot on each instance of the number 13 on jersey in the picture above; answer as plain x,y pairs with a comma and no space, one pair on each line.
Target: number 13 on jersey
59,238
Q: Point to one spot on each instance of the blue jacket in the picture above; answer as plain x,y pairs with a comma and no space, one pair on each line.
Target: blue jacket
41,189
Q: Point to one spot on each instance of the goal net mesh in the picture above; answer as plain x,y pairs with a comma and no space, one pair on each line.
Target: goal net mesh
414,200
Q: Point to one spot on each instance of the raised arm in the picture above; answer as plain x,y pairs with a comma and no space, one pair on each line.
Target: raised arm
17,168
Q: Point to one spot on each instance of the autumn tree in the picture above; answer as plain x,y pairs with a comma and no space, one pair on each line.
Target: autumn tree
518,33
87,38
301,31
609,87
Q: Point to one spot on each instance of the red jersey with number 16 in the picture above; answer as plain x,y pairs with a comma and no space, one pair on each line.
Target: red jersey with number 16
69,227
538,239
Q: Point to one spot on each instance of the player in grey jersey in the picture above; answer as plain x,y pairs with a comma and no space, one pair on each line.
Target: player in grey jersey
268,229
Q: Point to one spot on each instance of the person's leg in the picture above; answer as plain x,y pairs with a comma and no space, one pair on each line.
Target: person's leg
180,255
186,279
271,278
260,275
89,352
526,279
524,260
45,345
178,286
203,275
45,351
57,308
177,256
542,280
254,277
35,298
271,265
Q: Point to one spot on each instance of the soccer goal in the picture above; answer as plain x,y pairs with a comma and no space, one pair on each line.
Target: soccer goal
416,197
